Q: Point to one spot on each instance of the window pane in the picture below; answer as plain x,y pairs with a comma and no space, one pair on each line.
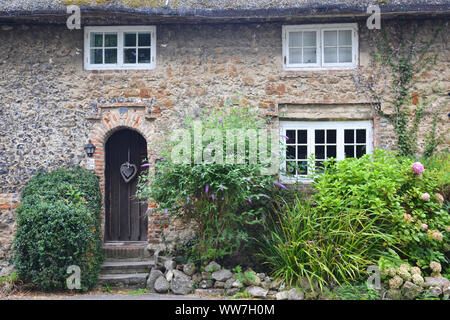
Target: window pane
345,54
309,55
331,136
349,136
96,40
319,167
330,55
290,152
302,167
295,39
349,151
345,38
110,55
320,136
144,39
360,151
361,136
309,39
111,40
320,152
330,38
302,136
331,151
130,39
291,136
295,55
96,56
129,56
290,167
302,152
144,56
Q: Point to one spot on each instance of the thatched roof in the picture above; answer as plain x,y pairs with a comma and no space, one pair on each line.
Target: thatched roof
219,9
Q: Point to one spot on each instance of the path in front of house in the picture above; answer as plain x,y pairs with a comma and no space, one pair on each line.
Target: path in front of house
115,295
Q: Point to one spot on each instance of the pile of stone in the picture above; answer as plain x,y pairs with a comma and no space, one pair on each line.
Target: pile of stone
213,280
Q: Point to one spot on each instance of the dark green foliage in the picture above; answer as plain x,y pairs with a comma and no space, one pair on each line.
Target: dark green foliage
58,225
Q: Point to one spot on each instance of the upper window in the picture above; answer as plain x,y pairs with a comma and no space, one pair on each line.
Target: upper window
315,47
322,140
132,47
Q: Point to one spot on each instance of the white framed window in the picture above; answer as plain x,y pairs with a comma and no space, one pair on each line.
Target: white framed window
323,140
121,47
320,46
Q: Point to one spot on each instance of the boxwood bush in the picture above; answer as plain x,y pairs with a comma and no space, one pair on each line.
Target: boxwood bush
58,225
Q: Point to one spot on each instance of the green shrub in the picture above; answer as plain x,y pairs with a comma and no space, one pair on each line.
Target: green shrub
222,199
58,225
361,208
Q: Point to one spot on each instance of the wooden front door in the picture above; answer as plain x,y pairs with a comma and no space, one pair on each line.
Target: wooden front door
125,215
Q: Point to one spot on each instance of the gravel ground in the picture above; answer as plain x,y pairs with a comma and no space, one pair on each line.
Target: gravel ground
100,295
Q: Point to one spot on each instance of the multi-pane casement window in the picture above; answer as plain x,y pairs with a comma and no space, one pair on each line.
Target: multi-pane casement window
130,47
321,140
316,47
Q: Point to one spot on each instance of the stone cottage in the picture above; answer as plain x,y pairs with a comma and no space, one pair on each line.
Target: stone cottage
136,69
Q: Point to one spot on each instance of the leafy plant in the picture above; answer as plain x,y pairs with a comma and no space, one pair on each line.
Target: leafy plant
221,199
360,209
59,225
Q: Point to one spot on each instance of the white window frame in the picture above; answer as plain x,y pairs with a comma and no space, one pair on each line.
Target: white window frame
120,30
310,126
320,28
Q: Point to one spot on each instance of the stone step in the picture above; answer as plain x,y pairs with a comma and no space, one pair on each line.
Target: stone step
126,250
127,266
132,280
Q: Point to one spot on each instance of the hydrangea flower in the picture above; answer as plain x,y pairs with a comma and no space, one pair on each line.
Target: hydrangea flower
408,217
418,168
416,270
417,279
392,272
395,282
424,226
435,266
425,196
404,273
437,236
439,198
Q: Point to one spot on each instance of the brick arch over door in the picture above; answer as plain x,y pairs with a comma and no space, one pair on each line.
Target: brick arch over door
111,122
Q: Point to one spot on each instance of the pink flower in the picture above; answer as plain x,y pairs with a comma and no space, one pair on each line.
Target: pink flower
424,226
221,187
418,168
425,196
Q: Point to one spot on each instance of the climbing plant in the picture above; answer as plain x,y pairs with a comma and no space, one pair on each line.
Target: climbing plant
408,61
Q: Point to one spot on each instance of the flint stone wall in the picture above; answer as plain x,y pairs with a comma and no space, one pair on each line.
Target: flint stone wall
50,106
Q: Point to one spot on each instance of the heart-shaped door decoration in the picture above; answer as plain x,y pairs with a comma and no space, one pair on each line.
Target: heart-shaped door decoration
128,171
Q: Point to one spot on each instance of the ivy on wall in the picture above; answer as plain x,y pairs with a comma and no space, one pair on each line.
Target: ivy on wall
407,61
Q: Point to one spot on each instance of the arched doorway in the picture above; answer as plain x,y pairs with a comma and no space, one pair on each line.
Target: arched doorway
125,218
